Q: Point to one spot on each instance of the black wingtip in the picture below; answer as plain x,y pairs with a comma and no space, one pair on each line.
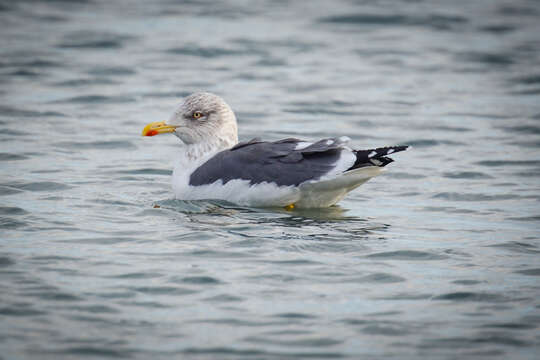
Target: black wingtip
376,157
388,150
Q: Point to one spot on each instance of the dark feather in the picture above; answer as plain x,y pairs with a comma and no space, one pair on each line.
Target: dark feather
375,157
278,162
272,162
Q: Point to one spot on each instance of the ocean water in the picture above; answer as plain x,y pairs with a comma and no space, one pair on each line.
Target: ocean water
438,258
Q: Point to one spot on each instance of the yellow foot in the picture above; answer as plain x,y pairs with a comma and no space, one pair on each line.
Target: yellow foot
289,207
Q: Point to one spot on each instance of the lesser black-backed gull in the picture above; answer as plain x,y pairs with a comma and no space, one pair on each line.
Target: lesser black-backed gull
286,173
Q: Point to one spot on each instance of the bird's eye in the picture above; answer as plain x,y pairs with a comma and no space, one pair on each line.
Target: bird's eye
197,115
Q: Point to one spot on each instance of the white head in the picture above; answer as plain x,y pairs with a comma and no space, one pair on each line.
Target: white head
203,118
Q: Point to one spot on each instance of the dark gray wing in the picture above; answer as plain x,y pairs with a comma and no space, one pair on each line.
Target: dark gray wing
273,162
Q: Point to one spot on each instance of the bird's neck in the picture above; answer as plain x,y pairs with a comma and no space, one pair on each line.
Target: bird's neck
194,155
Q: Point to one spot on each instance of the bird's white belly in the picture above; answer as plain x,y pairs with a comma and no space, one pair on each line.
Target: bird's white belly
241,192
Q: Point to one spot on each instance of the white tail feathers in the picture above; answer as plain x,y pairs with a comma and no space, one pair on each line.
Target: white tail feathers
329,192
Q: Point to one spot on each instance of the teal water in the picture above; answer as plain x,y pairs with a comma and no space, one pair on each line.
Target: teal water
437,258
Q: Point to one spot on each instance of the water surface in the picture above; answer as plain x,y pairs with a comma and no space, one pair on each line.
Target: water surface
437,258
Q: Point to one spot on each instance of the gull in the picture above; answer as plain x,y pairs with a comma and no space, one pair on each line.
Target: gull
290,173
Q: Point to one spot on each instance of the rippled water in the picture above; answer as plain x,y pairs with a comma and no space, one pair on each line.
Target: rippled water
438,258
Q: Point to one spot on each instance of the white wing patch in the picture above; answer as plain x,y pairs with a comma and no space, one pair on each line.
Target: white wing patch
345,161
302,145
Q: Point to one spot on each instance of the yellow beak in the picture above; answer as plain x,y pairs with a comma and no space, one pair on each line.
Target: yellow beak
157,128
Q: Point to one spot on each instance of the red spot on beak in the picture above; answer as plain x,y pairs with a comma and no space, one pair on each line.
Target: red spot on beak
151,133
